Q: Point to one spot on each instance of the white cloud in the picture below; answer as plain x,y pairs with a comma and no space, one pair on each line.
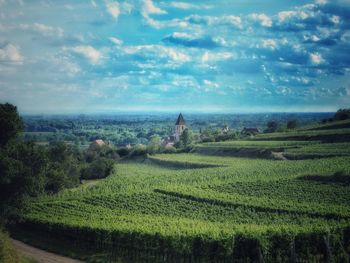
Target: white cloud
316,58
235,21
262,18
113,9
284,15
157,52
149,8
215,56
92,54
9,53
269,43
210,84
43,29
185,6
116,41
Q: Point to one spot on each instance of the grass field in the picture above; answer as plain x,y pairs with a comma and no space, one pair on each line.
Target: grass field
208,208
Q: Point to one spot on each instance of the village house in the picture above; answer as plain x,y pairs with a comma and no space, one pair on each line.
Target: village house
226,129
96,144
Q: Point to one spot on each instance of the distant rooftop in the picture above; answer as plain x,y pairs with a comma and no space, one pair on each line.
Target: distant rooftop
99,142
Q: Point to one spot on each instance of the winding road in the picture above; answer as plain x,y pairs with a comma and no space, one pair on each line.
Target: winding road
39,255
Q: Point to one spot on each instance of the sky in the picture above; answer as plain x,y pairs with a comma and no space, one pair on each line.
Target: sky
229,56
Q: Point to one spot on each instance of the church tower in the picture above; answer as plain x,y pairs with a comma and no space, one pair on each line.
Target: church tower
180,126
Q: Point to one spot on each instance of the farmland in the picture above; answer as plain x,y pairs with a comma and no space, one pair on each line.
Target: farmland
205,207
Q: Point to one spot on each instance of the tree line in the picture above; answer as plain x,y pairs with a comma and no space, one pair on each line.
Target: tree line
28,170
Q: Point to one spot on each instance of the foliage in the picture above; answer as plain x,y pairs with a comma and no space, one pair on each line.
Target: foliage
272,126
123,129
342,114
292,124
186,137
10,123
22,169
154,145
209,207
98,169
27,169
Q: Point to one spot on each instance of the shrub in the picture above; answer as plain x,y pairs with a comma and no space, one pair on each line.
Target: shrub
123,152
98,169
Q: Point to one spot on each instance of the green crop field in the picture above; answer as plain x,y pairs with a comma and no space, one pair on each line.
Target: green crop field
173,207
223,202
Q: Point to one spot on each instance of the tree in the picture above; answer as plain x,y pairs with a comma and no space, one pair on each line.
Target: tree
186,137
272,126
292,124
342,114
154,144
23,168
10,123
98,169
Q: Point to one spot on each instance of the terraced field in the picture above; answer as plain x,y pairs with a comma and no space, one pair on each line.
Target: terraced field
265,149
183,207
225,201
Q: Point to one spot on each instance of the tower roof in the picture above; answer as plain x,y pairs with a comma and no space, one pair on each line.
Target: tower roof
180,120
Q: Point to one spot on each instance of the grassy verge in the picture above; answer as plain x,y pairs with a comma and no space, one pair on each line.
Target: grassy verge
8,254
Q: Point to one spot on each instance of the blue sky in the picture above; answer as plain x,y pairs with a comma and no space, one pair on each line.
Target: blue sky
171,56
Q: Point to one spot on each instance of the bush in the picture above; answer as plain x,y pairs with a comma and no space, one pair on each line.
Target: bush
169,149
98,169
272,126
139,150
123,152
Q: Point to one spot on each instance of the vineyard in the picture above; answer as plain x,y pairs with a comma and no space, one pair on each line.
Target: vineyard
206,208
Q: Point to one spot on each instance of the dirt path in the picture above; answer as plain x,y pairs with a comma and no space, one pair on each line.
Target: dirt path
40,255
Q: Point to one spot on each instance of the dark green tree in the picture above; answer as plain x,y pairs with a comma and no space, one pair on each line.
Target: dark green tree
342,114
10,123
98,169
272,126
186,137
292,124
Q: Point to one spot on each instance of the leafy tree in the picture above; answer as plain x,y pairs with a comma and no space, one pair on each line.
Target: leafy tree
10,123
123,151
59,152
56,180
98,169
207,135
179,145
272,126
23,168
186,137
342,114
139,150
154,145
292,124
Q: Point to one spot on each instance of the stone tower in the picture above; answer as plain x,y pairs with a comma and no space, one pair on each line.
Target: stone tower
180,126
